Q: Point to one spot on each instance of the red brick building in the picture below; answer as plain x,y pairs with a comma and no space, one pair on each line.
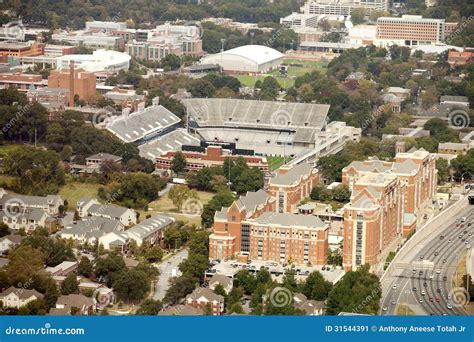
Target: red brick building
204,298
211,156
262,226
388,198
77,81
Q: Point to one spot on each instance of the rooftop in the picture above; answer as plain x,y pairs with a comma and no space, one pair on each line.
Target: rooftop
290,220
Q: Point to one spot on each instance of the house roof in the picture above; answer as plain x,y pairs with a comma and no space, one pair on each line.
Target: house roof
107,210
16,239
93,227
293,175
21,293
252,199
75,300
181,310
150,226
31,200
105,157
208,294
285,219
221,279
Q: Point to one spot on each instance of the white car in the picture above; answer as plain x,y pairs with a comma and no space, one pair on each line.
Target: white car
394,286
438,271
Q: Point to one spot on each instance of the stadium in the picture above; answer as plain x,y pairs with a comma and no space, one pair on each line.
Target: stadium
268,128
246,59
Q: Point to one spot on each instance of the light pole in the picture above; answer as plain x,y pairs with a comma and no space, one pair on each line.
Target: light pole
222,44
252,34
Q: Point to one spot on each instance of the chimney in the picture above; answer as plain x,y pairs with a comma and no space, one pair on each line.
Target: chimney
71,83
399,147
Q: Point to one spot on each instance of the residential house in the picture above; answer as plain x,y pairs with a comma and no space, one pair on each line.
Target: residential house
8,242
150,230
309,306
63,269
76,304
92,207
50,204
29,220
16,298
91,229
206,299
181,310
224,281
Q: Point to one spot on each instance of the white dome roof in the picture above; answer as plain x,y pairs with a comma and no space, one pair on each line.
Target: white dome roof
259,54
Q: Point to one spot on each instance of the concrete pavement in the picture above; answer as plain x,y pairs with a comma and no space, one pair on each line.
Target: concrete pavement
168,269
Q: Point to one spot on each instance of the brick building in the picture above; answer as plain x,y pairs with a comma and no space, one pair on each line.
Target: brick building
412,30
22,82
203,298
77,81
291,185
208,157
262,226
387,200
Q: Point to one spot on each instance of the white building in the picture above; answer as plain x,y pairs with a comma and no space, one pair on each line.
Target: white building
8,242
99,61
300,20
16,298
106,26
150,230
246,59
343,7
92,207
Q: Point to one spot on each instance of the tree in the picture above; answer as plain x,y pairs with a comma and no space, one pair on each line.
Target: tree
358,291
149,307
178,163
179,194
154,254
194,265
219,290
85,267
131,285
106,267
269,89
179,288
223,198
70,285
443,170
316,287
25,261
358,16
4,230
342,193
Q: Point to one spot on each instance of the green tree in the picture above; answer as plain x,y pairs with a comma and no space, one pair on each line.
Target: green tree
223,198
178,163
316,287
149,307
179,288
70,285
85,267
131,285
179,194
342,193
443,170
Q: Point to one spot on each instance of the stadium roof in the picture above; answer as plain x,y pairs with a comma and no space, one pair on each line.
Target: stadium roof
142,124
259,54
168,142
256,114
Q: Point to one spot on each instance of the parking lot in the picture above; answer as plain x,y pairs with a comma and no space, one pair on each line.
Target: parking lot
231,267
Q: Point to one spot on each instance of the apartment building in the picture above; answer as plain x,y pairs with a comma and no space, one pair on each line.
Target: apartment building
50,204
19,49
291,185
262,225
77,81
198,157
343,7
412,30
22,82
387,200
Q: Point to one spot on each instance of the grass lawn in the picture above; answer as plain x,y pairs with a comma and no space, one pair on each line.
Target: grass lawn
293,72
404,310
165,205
6,149
274,162
73,191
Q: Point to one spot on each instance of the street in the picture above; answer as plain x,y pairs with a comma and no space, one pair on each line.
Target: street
422,279
166,270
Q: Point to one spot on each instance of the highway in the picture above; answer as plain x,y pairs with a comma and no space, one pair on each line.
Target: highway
425,282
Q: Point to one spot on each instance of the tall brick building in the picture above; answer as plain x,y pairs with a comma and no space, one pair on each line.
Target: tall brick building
387,201
263,226
77,81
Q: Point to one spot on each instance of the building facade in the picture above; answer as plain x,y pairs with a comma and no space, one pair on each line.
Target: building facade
388,199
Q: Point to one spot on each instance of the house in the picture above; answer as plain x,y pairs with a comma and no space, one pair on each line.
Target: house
393,102
218,279
100,158
8,242
49,204
402,93
203,297
27,219
16,298
91,229
63,269
77,304
115,241
92,207
150,230
462,101
181,310
311,307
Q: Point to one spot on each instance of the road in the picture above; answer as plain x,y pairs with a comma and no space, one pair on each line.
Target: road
166,270
424,282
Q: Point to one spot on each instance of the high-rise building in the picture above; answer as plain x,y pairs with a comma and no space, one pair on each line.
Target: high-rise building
412,30
387,201
343,7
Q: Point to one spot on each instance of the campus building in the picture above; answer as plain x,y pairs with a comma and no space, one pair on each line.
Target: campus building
343,7
198,157
77,81
412,30
387,201
262,226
